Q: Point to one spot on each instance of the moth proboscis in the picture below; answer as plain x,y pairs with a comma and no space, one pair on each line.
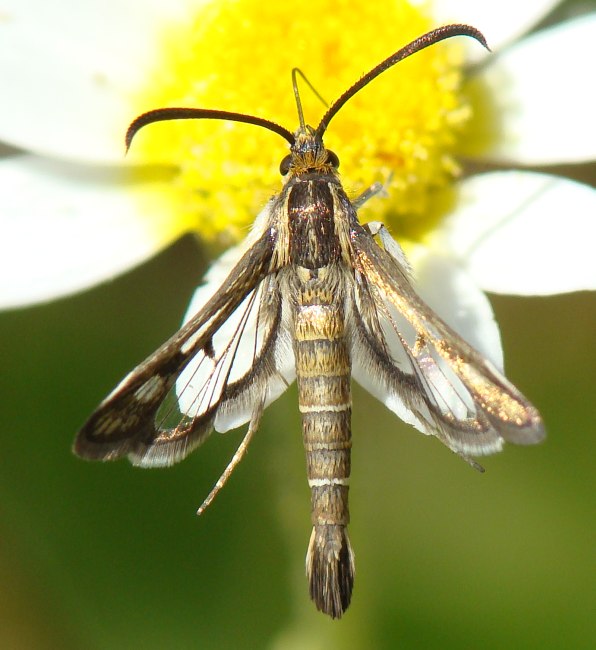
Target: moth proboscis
319,298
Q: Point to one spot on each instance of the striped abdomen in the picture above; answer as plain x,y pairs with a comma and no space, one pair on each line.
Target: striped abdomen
323,377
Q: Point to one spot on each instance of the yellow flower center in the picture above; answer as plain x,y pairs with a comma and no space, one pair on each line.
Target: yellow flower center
401,130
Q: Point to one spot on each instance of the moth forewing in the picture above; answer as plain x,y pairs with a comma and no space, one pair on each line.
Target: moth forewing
500,410
124,423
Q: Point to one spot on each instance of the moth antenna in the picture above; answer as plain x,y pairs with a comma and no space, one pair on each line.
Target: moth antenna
295,72
164,114
422,42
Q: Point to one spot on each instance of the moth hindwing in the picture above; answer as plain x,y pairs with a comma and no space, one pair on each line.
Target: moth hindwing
316,297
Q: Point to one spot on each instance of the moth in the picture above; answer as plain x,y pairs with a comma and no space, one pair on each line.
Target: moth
319,298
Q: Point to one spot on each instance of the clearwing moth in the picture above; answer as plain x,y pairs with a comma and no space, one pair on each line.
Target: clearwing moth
319,298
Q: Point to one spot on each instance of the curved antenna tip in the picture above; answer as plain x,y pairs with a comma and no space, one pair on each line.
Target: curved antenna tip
420,43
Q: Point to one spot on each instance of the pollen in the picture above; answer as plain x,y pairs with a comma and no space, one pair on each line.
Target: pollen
401,130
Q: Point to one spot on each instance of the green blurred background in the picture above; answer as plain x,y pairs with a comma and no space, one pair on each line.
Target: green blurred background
109,556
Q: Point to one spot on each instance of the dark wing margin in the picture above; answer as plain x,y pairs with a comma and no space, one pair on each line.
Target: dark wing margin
450,389
124,423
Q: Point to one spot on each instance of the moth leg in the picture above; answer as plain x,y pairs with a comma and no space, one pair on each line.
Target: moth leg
471,462
373,190
237,457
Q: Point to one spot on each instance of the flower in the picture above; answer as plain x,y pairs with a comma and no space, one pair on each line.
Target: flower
76,212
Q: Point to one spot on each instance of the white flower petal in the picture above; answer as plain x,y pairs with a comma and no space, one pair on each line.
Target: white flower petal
493,19
63,230
524,233
450,291
68,72
544,98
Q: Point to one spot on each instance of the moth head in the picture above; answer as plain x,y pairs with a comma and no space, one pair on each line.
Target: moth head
308,154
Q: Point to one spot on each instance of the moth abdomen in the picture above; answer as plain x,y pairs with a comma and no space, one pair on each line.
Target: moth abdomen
323,376
329,560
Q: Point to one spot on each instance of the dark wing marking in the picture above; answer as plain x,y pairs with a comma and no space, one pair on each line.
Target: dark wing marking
425,372
124,423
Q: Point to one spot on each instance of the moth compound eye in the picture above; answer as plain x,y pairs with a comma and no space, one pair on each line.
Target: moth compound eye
284,165
332,159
